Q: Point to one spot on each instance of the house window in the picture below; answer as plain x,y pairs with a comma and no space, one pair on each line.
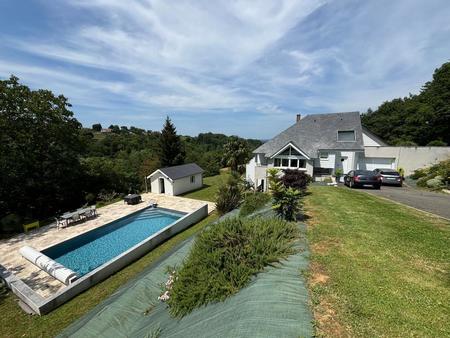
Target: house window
294,163
277,162
302,164
323,155
346,136
192,179
285,162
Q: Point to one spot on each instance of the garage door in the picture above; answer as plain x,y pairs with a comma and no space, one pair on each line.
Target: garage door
379,162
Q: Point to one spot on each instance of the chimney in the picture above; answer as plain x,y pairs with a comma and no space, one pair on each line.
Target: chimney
299,116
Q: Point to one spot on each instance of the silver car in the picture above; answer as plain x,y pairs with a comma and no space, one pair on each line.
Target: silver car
390,177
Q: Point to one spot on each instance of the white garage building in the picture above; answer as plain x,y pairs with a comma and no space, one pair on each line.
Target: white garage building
176,180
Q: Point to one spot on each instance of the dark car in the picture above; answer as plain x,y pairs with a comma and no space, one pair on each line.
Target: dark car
361,178
390,177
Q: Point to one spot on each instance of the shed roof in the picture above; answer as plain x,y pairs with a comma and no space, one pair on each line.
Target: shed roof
317,132
180,171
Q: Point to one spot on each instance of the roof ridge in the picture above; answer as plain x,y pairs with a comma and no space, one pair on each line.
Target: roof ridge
331,114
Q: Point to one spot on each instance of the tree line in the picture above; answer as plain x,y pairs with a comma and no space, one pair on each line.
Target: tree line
50,163
422,119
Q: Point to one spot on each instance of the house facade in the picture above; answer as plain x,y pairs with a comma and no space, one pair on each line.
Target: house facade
322,143
176,180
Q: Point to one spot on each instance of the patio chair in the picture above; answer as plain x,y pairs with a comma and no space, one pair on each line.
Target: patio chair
93,210
60,223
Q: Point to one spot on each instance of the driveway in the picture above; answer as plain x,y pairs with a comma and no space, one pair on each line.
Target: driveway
436,203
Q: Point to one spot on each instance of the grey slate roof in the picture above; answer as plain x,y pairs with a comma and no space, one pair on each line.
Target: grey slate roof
317,132
180,171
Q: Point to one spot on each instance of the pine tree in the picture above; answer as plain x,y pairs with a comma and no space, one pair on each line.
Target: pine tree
171,150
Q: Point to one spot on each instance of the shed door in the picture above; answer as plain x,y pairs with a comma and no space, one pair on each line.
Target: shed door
162,188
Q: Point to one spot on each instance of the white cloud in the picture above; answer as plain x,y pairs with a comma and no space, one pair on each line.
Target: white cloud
265,59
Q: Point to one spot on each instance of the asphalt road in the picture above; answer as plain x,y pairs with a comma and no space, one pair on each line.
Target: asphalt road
436,203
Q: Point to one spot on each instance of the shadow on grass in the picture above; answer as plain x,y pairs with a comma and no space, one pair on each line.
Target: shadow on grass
3,291
192,191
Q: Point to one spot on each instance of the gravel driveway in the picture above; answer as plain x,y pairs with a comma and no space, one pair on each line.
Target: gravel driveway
436,203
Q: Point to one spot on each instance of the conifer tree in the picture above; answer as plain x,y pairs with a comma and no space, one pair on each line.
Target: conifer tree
171,150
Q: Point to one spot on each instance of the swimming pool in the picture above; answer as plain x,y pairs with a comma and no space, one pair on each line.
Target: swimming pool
88,251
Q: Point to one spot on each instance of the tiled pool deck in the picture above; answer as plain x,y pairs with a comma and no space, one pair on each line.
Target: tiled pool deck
44,284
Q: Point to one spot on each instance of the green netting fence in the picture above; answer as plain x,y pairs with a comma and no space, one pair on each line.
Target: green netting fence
274,304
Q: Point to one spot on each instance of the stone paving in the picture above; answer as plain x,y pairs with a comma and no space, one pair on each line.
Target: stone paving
44,284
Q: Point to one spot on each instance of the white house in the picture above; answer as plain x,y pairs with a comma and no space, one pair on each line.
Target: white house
176,180
321,143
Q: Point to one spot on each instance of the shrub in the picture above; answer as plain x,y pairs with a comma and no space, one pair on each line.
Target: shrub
419,173
436,143
435,182
11,223
229,195
90,198
287,204
224,258
253,202
422,182
295,179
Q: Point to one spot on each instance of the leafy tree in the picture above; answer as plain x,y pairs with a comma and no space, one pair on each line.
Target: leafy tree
97,127
236,153
171,150
417,119
40,145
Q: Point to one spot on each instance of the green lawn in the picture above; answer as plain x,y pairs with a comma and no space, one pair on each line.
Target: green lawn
15,323
377,269
209,190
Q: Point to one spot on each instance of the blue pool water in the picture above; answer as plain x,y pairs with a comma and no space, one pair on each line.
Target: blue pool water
88,251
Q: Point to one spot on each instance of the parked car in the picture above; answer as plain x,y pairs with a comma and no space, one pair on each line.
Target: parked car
390,177
361,178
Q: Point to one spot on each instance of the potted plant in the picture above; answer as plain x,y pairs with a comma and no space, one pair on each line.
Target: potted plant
338,173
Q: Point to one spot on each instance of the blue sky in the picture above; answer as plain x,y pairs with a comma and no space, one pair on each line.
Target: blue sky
236,67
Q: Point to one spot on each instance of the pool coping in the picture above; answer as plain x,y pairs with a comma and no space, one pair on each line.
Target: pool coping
41,305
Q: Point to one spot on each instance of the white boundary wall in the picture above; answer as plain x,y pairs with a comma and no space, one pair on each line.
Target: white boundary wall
410,158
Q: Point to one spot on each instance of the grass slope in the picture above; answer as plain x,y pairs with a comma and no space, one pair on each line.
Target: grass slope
377,269
209,190
15,323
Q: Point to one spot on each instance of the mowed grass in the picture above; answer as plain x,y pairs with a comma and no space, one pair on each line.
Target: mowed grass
210,186
377,269
16,323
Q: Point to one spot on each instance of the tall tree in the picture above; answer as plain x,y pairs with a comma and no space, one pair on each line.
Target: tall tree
171,150
417,119
236,153
40,145
97,127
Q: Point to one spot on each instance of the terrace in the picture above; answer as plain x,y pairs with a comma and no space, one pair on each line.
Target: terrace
45,285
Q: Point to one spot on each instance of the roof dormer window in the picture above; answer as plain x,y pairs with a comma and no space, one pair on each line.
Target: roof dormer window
346,136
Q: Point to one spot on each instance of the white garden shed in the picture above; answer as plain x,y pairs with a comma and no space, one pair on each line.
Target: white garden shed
176,180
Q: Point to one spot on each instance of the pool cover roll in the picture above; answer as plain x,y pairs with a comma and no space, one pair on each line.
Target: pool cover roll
53,268
274,304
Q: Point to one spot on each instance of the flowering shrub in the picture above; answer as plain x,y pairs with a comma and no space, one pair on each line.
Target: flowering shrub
165,296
